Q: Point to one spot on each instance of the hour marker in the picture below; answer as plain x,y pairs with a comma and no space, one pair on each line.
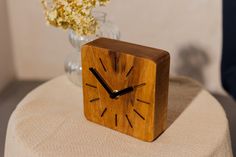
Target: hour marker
116,119
128,121
130,70
103,65
96,99
145,102
104,111
89,85
140,85
139,114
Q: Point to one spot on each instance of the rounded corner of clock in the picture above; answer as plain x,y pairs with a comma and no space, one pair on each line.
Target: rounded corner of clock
165,58
152,138
84,47
87,116
167,53
149,138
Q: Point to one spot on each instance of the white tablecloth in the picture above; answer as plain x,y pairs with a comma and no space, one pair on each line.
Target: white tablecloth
49,122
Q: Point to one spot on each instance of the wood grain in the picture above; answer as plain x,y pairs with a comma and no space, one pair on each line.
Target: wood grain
141,113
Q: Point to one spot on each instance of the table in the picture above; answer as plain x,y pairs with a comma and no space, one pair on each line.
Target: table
49,122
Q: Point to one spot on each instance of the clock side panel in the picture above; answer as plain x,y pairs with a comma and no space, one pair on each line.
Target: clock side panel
162,88
133,113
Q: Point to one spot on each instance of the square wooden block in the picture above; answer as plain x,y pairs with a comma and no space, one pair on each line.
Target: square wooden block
125,87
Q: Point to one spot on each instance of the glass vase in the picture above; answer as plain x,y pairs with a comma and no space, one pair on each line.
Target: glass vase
73,65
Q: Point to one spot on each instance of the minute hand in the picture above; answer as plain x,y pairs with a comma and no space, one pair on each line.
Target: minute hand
101,80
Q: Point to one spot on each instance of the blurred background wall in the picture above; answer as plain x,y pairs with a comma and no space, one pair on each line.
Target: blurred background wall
6,57
189,29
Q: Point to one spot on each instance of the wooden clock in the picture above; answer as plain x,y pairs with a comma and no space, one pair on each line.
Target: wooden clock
125,87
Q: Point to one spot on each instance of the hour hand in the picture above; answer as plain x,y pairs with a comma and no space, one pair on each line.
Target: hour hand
123,92
101,80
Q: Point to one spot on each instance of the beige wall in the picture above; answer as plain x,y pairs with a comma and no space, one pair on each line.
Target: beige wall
189,29
6,62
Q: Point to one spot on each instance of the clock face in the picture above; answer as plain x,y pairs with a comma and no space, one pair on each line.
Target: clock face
119,91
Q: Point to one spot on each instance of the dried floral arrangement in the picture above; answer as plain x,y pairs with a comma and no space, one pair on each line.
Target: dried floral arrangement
73,14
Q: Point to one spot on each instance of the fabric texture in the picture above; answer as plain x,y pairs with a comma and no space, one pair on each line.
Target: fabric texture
49,122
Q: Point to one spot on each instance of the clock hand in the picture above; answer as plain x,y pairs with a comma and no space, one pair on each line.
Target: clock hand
123,92
101,80
112,94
